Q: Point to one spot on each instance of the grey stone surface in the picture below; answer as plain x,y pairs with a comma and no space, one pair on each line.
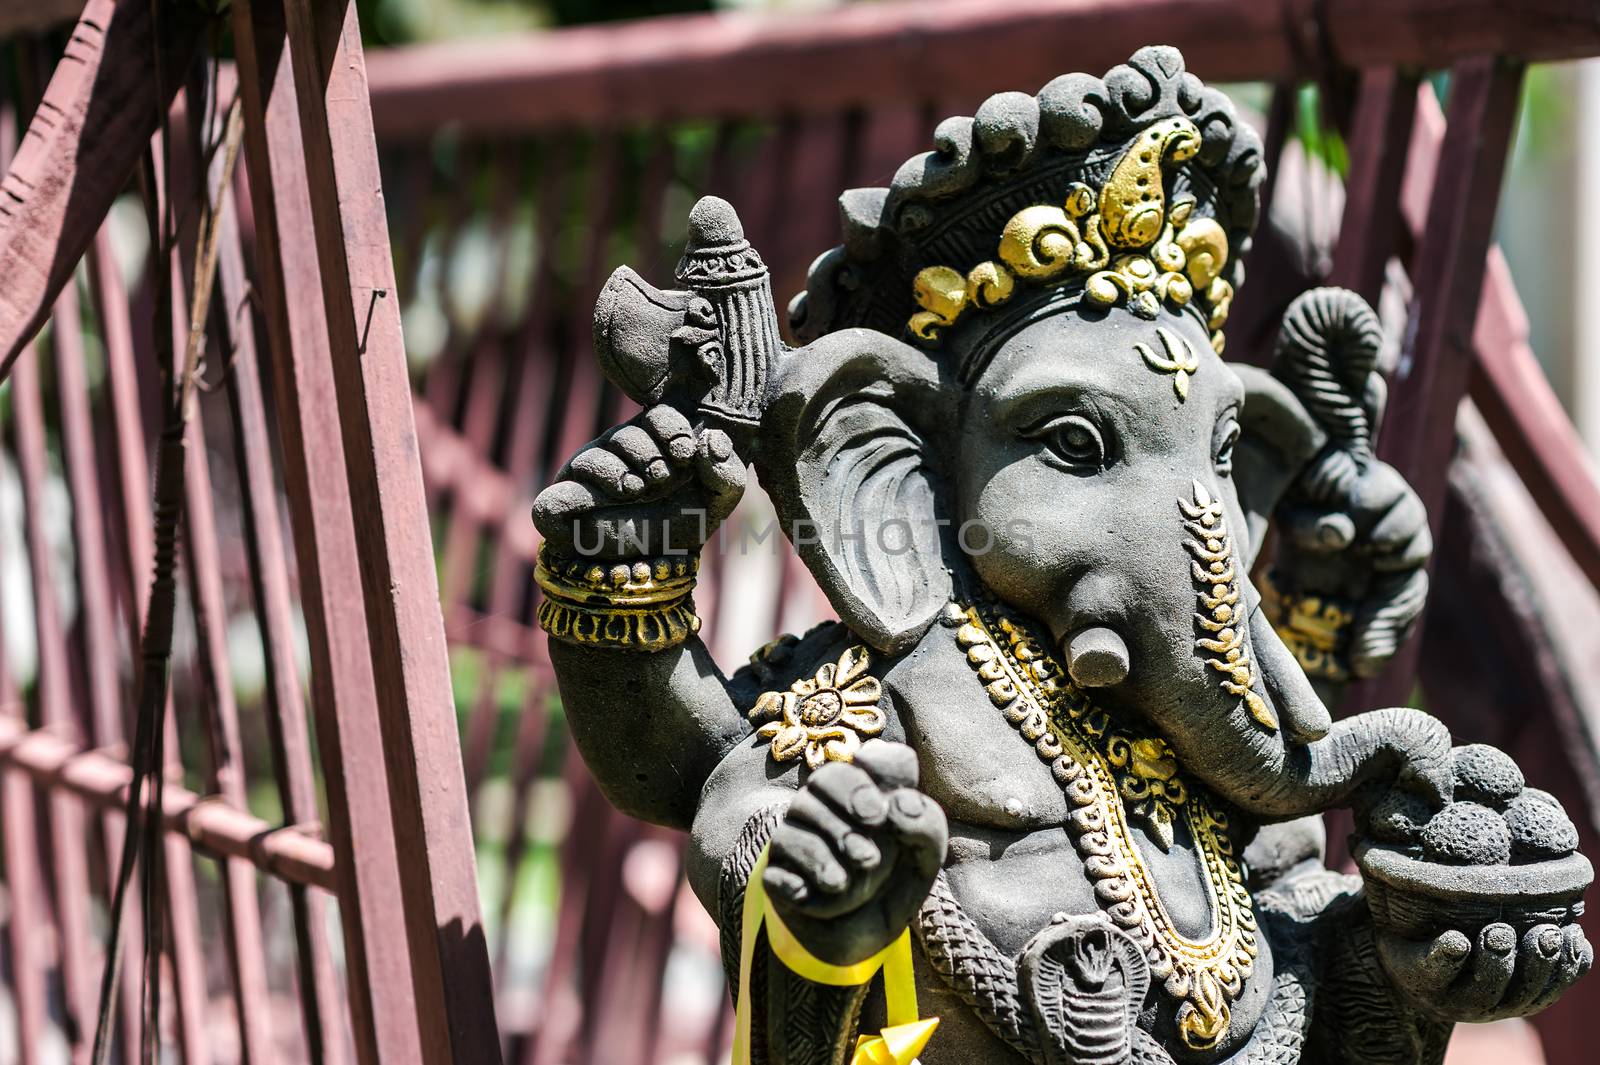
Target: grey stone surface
1487,775
1096,477
1467,833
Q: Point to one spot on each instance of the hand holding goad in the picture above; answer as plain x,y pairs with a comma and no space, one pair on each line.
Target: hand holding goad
651,486
856,854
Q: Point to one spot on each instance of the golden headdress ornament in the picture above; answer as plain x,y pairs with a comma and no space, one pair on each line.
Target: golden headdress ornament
1140,186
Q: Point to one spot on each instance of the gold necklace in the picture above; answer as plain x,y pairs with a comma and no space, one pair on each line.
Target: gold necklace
1110,775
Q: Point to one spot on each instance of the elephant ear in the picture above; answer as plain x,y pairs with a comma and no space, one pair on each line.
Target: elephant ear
1277,438
845,455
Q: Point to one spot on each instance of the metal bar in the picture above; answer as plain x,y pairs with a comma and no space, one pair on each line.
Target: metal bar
320,997
67,827
729,66
450,962
219,830
1385,111
1418,434
383,1012
93,123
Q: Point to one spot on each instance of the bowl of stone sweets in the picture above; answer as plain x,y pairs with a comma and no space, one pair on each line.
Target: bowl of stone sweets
1499,852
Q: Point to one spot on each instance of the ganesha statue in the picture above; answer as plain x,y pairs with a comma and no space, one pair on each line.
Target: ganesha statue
1049,789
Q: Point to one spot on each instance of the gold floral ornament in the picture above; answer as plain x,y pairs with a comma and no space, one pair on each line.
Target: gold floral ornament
1147,777
823,717
1122,239
1216,581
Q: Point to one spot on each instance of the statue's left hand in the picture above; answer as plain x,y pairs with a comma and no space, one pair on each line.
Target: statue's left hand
1454,977
1368,542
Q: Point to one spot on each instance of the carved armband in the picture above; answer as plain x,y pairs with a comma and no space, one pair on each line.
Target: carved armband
641,605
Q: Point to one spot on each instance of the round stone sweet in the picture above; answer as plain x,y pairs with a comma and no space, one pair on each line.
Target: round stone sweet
1540,795
1486,775
1399,817
1539,830
1467,833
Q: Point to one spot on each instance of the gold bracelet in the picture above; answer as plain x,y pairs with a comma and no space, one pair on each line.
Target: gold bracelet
639,605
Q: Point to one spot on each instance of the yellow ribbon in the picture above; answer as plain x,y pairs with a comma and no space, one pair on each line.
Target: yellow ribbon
897,1044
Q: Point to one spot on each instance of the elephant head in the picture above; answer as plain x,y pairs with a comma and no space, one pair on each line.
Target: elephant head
1060,431
1106,474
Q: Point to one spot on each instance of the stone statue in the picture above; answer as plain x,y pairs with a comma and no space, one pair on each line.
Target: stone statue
1067,732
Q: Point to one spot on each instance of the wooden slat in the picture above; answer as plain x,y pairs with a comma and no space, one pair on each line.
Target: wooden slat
343,690
321,1001
755,66
1418,433
219,724
213,826
98,113
67,824
1510,389
1385,110
450,963
1419,428
138,544
219,717
97,613
26,925
30,16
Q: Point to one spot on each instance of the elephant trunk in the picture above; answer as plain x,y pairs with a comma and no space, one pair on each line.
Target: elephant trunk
1310,763
1398,745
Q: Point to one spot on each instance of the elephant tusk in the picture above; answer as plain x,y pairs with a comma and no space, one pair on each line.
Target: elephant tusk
1097,657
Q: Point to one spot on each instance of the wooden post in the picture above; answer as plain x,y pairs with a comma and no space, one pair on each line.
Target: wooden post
1418,434
427,795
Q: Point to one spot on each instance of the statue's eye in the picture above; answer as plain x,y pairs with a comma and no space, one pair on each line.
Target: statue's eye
1227,436
1073,439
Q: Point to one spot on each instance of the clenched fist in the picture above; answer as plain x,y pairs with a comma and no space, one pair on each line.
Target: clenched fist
1368,539
652,486
856,854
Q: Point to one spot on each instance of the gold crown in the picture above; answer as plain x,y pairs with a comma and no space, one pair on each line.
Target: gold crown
1123,239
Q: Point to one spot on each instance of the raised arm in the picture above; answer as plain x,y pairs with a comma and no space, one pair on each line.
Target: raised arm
623,527
1349,577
